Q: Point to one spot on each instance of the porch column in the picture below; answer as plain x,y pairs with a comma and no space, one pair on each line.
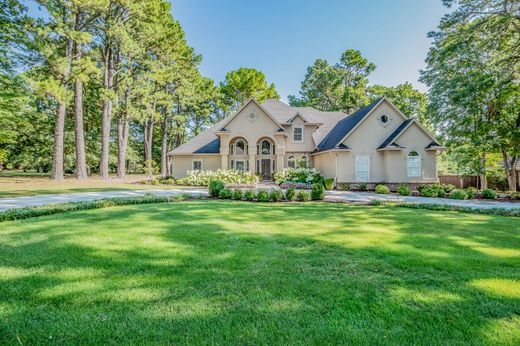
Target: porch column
279,162
224,161
252,163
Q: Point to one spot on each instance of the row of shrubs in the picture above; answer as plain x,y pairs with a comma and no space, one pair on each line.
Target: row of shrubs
439,190
217,189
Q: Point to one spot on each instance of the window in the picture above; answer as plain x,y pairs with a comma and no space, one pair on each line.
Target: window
240,165
240,147
298,134
266,147
258,149
197,165
247,165
231,149
291,162
257,166
274,165
413,164
362,169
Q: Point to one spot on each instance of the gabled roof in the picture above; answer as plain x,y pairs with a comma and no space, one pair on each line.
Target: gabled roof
345,126
212,147
230,118
389,142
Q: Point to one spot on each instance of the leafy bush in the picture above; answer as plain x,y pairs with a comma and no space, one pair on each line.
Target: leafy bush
298,175
404,190
362,187
237,194
440,193
463,209
276,195
225,193
303,196
154,181
515,195
382,189
428,192
489,194
215,186
167,181
458,194
249,195
262,196
290,194
203,178
471,192
447,188
346,187
329,183
317,192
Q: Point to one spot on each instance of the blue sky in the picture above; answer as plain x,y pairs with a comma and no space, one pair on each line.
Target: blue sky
281,38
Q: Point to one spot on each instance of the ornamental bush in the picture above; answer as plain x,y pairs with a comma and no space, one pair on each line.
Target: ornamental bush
276,195
427,191
215,186
471,192
441,193
262,196
317,192
203,178
225,194
489,194
362,187
404,190
249,195
458,194
329,183
303,196
298,175
382,189
237,194
290,194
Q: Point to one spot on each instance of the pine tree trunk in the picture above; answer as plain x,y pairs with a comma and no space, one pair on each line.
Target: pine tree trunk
122,138
164,147
107,117
59,135
510,170
81,163
483,178
148,141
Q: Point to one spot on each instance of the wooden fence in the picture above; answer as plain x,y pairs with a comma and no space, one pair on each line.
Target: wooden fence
461,182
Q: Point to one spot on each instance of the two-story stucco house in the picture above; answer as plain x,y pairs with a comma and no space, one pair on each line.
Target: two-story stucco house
377,143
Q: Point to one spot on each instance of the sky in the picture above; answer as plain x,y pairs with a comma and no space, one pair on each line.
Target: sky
282,38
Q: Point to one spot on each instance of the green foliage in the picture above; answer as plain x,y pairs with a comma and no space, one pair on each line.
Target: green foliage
225,193
249,195
215,186
404,190
362,186
329,183
167,181
303,196
317,192
346,187
462,209
230,176
428,191
515,195
276,195
154,181
382,189
298,175
458,194
237,194
471,192
290,194
489,194
262,196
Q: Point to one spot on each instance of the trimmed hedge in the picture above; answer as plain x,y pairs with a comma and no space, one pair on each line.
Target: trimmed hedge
262,196
382,189
249,195
290,194
276,195
445,207
317,192
237,194
458,194
303,196
215,186
489,194
404,190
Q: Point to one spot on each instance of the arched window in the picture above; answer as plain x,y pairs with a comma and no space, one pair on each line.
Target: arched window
302,162
413,162
266,147
291,162
238,147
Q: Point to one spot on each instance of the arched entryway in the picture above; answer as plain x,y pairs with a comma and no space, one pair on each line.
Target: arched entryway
265,158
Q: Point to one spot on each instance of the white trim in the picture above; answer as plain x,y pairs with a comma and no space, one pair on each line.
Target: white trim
419,164
358,158
294,128
201,164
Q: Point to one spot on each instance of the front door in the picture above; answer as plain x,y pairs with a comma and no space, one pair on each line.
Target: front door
266,169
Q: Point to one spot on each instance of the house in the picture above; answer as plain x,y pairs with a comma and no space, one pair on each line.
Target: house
377,143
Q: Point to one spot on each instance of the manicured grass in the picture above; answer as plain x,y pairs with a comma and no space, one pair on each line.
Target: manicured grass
224,272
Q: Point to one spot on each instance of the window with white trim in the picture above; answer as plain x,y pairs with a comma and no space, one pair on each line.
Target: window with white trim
362,168
291,162
240,147
413,164
196,165
298,134
240,165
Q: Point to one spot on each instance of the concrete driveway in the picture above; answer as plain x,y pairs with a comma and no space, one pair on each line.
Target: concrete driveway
334,196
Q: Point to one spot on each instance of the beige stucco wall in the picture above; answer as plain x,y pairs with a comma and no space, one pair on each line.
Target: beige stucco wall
308,143
183,164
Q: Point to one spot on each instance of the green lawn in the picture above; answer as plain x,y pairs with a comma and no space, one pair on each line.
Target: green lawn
216,272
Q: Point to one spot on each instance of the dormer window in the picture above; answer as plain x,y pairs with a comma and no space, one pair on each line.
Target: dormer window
298,134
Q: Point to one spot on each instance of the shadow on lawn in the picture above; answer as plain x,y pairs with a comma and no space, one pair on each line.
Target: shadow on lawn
242,273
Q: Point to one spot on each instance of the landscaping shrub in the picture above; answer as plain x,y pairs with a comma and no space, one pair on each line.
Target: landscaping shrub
346,187
290,194
472,210
404,190
317,192
215,186
203,178
262,196
427,191
276,195
471,192
382,189
225,193
489,194
515,195
298,175
154,181
458,194
362,187
249,195
237,194
167,181
329,183
440,193
303,196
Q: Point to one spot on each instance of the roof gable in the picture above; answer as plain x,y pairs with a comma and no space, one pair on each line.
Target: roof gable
230,119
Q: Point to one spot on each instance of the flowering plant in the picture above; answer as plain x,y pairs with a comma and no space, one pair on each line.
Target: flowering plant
231,177
298,175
